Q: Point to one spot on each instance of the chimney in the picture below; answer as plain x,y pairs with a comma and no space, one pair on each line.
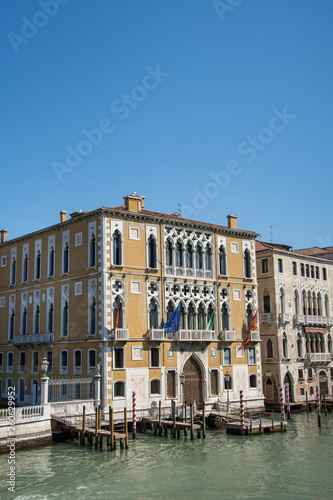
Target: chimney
63,216
232,221
3,234
134,202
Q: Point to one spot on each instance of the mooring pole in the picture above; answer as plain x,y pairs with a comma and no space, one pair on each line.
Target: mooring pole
281,405
318,405
324,402
288,401
242,416
185,411
307,402
159,418
111,423
191,417
126,428
83,425
174,418
203,420
134,416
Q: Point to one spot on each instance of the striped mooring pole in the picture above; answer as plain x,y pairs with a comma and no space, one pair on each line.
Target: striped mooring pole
241,397
282,404
318,405
134,416
288,401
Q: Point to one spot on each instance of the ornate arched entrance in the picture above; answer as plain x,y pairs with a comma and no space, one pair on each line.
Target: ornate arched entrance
323,381
193,381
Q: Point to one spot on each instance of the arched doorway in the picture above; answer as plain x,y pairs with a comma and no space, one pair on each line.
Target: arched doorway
323,381
193,382
288,380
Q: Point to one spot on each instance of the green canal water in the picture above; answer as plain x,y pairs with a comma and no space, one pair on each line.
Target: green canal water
295,464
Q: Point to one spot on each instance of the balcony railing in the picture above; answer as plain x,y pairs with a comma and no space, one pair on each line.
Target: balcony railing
34,339
255,337
319,357
119,334
299,319
266,318
183,335
285,318
183,272
228,335
196,335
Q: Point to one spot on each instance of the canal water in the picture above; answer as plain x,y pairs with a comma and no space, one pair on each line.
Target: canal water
297,464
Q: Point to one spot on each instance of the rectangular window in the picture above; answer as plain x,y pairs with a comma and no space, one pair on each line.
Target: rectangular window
280,265
267,304
302,270
3,261
119,357
264,266
1,361
237,295
312,272
252,356
154,357
234,247
2,301
300,374
324,273
295,268
92,361
77,362
307,270
227,356
63,362
317,273
10,362
310,375
78,239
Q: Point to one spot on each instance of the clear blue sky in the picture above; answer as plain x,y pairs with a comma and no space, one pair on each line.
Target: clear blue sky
222,109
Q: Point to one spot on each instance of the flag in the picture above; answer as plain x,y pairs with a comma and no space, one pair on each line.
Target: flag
253,326
172,325
116,319
211,321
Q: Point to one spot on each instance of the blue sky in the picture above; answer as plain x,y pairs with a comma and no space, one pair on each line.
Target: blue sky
224,107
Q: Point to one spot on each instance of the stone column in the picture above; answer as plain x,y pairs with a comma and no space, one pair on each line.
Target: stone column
44,394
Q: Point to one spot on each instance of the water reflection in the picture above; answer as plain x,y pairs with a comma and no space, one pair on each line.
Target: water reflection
296,464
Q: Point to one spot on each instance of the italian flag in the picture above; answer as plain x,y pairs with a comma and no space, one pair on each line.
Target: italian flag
211,321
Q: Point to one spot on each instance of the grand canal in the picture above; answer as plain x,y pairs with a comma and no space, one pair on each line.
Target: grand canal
295,464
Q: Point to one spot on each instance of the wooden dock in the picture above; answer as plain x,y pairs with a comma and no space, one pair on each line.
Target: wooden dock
81,430
162,426
255,427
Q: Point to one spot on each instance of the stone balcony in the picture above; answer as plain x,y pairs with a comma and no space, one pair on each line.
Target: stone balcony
319,357
183,272
119,334
34,339
228,336
284,318
182,335
266,318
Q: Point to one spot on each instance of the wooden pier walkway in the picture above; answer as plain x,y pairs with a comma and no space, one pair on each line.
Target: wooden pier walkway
80,430
163,426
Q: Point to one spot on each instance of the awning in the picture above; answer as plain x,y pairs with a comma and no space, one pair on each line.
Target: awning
315,329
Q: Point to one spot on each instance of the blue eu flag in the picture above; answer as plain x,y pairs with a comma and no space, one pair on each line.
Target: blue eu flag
172,326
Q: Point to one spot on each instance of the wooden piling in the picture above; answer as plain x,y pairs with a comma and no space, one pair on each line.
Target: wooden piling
191,417
185,404
307,402
111,428
203,420
272,420
96,427
318,406
174,418
159,418
324,401
126,428
83,425
99,416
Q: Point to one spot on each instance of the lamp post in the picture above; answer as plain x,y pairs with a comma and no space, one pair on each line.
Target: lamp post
227,377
